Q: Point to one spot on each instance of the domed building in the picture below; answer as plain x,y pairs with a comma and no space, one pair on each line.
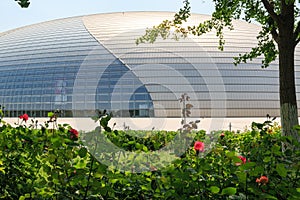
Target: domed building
81,64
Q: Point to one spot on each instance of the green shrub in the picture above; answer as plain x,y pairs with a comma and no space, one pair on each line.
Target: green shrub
52,163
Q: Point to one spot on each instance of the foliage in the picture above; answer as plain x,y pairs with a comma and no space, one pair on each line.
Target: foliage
267,13
23,3
48,163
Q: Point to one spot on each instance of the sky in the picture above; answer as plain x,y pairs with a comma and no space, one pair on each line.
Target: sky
13,16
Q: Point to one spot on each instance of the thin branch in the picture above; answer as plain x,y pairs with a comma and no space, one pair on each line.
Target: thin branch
297,34
273,29
275,34
297,41
297,30
270,9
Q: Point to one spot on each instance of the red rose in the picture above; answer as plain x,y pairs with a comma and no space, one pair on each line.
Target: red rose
199,146
222,135
25,117
243,159
74,133
262,180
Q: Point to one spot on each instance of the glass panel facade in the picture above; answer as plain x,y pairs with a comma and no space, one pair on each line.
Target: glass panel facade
39,66
120,91
86,63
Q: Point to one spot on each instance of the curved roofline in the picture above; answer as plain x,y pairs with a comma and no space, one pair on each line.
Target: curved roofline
80,16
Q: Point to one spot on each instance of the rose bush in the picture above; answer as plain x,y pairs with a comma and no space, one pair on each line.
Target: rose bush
74,133
262,180
53,163
24,117
199,146
243,159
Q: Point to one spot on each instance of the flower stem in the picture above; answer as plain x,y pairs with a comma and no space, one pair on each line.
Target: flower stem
91,167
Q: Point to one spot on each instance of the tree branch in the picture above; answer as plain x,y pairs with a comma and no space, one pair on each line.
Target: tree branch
275,34
270,8
297,34
297,41
270,25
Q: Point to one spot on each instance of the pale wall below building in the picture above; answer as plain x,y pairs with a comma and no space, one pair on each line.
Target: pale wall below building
208,124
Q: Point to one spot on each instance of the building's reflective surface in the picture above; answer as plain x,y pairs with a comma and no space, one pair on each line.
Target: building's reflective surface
85,63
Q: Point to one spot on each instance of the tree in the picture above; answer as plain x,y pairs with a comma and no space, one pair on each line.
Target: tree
23,3
279,36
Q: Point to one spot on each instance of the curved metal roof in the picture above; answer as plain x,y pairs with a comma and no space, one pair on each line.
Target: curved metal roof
91,62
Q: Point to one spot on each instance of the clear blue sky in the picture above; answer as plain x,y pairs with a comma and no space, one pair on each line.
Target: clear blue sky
12,16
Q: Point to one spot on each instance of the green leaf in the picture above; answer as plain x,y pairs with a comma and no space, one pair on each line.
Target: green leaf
267,196
232,154
43,173
138,146
229,191
267,159
114,180
214,189
2,170
107,129
144,187
50,114
80,163
23,3
280,168
242,176
95,118
247,165
56,141
82,152
236,159
131,142
276,150
257,170
145,148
